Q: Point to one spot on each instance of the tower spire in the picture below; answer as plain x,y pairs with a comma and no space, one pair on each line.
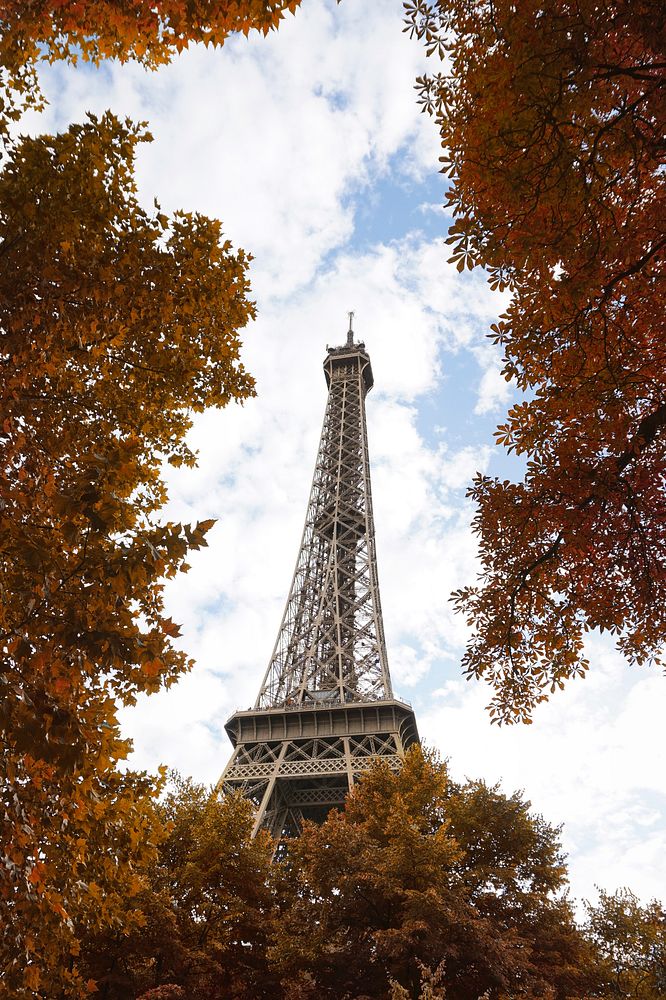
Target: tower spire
325,707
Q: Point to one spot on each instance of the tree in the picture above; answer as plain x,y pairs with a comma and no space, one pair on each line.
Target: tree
631,941
116,323
148,32
552,117
207,906
421,885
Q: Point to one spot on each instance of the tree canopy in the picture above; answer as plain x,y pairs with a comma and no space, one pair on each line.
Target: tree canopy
115,324
552,120
419,878
631,942
207,903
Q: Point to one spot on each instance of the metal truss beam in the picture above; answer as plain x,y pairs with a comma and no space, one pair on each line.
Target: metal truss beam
331,646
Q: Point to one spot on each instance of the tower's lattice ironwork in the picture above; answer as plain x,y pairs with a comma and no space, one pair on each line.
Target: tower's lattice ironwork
325,709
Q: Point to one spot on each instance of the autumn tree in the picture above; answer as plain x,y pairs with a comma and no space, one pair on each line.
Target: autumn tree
424,887
631,941
207,903
552,119
33,31
115,324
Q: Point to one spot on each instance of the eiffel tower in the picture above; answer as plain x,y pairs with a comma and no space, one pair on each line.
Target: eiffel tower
325,709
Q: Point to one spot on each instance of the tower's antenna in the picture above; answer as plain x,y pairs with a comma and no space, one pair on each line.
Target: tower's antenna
350,331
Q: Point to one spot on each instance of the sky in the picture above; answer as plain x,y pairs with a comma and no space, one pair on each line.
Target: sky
310,147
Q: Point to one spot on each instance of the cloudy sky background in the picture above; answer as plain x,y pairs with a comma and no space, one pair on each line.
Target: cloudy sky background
309,146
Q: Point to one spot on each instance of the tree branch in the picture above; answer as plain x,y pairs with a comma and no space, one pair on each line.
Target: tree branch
648,429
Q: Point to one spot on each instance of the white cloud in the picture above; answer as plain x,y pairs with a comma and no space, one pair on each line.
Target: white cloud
494,391
594,757
434,207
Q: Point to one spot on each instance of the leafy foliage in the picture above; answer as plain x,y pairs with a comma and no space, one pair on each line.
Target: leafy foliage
114,325
552,121
207,908
151,33
631,940
74,848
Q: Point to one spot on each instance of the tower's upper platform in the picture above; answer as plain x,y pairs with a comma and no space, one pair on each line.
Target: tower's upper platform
340,358
349,353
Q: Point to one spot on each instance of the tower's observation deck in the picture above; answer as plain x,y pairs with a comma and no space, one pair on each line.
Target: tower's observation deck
350,354
325,708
